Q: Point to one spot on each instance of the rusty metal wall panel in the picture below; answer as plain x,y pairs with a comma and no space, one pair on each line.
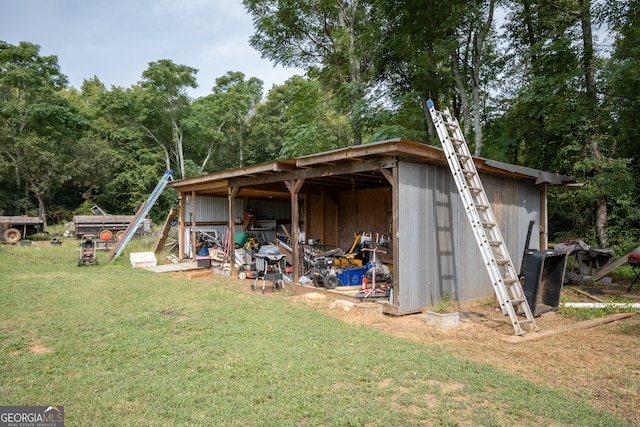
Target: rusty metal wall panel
437,252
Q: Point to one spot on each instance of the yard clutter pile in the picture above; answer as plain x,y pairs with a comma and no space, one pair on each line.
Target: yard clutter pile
586,260
359,268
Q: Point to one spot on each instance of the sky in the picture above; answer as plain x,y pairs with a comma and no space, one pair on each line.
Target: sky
115,40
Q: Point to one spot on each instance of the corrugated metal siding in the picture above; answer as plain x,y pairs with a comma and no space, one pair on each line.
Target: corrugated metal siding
437,252
213,209
210,209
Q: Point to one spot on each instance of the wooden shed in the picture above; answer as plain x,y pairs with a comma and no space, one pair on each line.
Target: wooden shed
398,188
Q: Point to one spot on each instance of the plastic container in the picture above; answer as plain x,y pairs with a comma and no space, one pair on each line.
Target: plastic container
143,259
352,276
203,261
543,279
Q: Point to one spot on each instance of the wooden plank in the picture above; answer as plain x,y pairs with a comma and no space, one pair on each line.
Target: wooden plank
534,336
164,234
588,295
609,268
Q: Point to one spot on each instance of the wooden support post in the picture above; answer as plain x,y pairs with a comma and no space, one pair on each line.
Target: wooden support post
544,218
294,188
165,230
395,203
181,226
193,224
233,192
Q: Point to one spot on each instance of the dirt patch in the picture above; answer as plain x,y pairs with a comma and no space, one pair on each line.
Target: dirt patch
38,348
601,363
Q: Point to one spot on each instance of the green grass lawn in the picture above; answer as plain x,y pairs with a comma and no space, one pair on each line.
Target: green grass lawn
118,346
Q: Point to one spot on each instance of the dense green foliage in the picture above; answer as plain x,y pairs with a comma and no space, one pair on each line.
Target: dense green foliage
533,83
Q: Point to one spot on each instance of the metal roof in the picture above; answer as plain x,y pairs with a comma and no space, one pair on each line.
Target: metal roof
351,168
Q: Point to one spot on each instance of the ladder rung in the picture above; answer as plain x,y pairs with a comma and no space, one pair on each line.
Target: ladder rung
479,212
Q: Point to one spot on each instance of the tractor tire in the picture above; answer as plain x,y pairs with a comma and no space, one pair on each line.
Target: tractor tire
12,235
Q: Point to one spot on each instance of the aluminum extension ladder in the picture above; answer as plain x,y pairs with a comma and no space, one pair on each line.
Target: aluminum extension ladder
142,212
502,272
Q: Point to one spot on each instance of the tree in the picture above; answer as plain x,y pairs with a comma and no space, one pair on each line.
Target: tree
413,56
556,112
328,38
37,125
237,99
164,86
469,60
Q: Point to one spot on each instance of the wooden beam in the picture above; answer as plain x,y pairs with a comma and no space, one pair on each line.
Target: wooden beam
233,192
544,217
164,233
294,187
387,174
193,224
610,267
534,336
181,226
317,172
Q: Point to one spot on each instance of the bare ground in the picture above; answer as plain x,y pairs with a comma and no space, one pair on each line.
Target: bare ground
600,363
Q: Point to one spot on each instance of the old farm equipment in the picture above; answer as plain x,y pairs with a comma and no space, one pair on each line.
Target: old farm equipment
87,250
15,228
107,227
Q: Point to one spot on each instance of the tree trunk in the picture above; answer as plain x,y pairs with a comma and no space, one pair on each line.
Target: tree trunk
601,211
602,233
41,210
476,63
462,90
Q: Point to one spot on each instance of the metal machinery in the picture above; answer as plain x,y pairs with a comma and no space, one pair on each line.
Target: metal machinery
270,265
87,250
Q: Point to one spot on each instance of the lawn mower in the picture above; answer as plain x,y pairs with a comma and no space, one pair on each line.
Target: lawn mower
87,250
